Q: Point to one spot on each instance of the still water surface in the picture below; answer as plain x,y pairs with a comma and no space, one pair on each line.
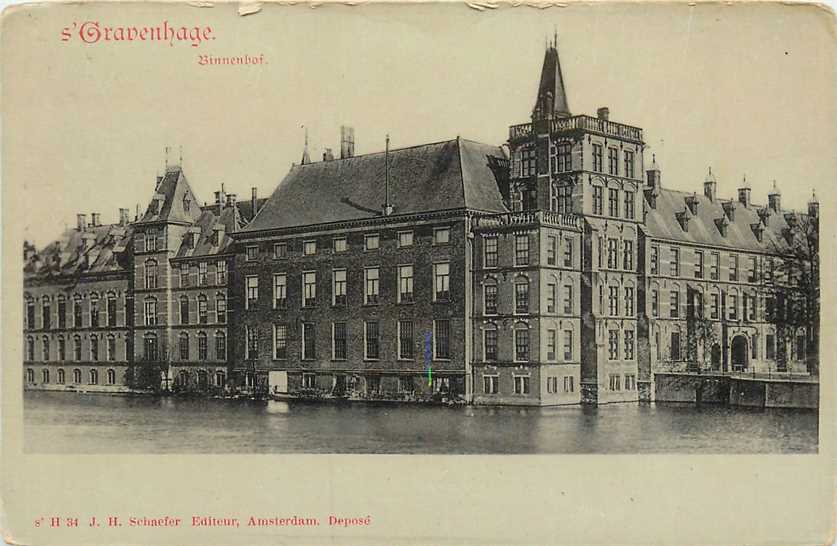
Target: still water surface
57,422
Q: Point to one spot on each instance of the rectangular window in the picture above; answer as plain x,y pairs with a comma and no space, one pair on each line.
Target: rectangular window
752,308
521,384
252,337
203,310
564,157
372,283
280,250
150,240
309,285
613,161
675,345
150,312
338,342
613,300
309,248
280,341
405,339
629,301
568,299
630,382
598,200
441,236
569,383
733,267
441,281
629,205
597,158
715,266
309,338
613,345
752,271
405,238
550,298
203,276
628,255
612,253
491,345
674,304
629,344
770,347
551,341
655,260
490,384
521,250
568,345
551,249
675,262
202,347
714,306
565,199
309,381
251,253
698,264
405,284
442,335
340,244
221,272
629,163
568,252
521,345
490,251
371,346
62,314
184,276
655,303
613,202
527,162
615,382
252,291
111,348
372,241
338,287
733,307
754,347
490,299
280,290
521,297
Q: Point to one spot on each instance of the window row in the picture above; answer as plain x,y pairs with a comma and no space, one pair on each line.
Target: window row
621,344
628,159
707,265
200,274
92,377
555,303
619,253
555,347
717,305
795,348
102,312
220,346
198,307
520,384
620,203
410,342
371,241
98,348
620,300
616,383
308,295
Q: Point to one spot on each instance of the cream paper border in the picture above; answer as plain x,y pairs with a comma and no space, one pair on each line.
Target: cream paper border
433,500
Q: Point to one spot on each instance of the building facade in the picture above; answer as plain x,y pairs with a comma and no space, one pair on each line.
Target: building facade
556,270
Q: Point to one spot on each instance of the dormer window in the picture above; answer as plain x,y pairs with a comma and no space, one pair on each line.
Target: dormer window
764,214
758,231
790,219
729,210
683,218
692,203
186,203
722,224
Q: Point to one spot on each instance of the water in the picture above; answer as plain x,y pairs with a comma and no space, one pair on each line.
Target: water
88,423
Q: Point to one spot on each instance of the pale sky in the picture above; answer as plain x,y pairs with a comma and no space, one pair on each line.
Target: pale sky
747,89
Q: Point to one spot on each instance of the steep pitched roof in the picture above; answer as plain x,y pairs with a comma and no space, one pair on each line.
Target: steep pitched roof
97,249
662,222
173,200
440,176
207,245
552,98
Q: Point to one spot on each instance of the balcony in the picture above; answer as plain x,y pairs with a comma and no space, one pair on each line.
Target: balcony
581,123
528,217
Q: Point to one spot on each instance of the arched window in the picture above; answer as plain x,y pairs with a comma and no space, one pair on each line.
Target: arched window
521,295
521,342
183,378
94,310
76,376
220,379
203,313
46,313
490,343
30,375
221,308
150,347
110,348
94,348
220,346
77,310
62,312
94,377
183,344
30,313
30,348
45,341
202,350
490,296
77,348
44,376
61,377
150,311
111,377
111,309
62,348
150,274
184,310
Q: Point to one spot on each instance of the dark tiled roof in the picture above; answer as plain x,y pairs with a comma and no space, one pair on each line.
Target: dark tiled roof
441,176
173,188
662,222
206,244
97,249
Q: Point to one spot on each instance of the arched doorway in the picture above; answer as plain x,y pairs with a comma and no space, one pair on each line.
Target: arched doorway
716,357
739,353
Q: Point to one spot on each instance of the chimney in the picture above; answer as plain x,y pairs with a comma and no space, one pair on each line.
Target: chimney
603,113
231,199
347,142
254,200
774,199
81,221
220,197
123,217
729,210
814,206
744,194
692,203
653,174
95,219
328,155
710,186
218,232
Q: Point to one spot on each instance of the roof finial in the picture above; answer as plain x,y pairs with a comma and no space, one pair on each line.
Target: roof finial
181,155
555,36
167,156
306,158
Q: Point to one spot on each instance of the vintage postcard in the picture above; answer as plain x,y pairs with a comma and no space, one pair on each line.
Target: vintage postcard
418,273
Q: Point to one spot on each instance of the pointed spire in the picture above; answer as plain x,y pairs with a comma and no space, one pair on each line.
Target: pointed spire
654,166
306,157
552,98
709,176
775,190
814,199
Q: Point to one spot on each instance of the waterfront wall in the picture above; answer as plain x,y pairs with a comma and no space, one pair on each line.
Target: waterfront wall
736,392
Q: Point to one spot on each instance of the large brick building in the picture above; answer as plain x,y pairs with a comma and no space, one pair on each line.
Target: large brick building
557,271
